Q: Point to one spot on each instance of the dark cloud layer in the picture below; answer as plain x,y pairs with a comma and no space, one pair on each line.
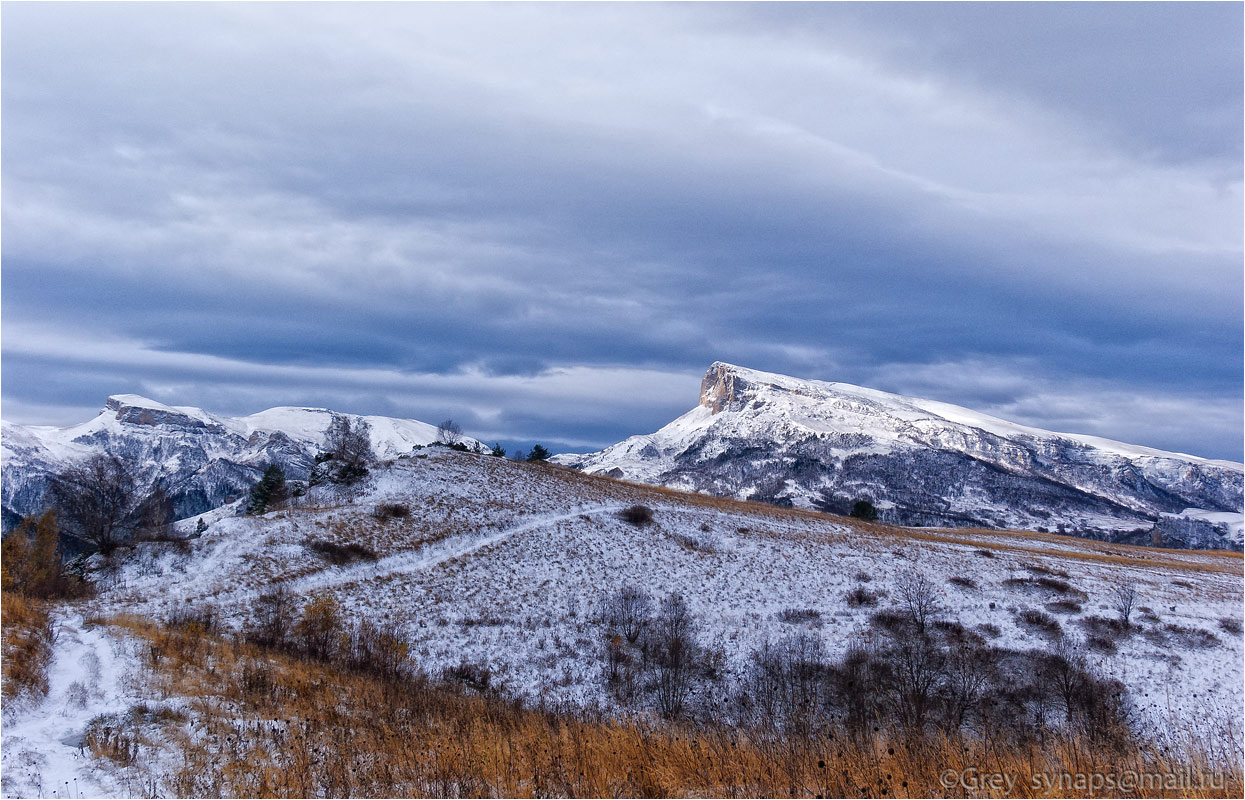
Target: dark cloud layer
546,220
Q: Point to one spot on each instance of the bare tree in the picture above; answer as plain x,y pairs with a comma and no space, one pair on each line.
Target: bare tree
1125,599
155,515
628,611
449,432
918,599
98,501
674,651
350,444
785,683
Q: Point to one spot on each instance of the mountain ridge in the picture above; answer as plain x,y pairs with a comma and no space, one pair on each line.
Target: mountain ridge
817,444
204,460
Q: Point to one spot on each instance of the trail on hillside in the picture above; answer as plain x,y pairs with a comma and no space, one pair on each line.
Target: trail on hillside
429,556
44,741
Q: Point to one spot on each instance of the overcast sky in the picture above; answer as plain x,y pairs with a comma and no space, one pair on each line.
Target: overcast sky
547,220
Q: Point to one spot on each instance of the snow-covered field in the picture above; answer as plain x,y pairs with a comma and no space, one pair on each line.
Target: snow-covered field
506,564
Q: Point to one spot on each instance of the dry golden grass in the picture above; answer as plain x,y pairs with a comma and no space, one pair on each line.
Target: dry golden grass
28,635
264,724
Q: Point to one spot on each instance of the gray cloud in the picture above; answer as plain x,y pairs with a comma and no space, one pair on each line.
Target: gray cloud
511,192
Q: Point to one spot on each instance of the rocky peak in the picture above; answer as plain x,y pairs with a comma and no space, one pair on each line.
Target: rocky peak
723,388
134,409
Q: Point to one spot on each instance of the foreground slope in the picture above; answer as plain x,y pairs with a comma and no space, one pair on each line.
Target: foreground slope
506,565
824,445
204,460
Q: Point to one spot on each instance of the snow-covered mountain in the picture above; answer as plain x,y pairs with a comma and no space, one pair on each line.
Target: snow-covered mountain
204,460
757,435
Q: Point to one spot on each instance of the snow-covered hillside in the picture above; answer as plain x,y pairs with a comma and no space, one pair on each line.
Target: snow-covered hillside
826,445
505,564
204,460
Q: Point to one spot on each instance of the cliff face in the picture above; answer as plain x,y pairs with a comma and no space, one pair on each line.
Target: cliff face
825,445
721,389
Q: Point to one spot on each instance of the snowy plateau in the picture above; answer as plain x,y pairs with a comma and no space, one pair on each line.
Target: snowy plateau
761,436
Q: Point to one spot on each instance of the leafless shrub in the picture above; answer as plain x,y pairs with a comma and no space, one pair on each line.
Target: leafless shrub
473,675
1101,644
674,650
799,616
783,686
1064,607
1108,628
272,618
959,580
637,515
1190,637
388,511
449,432
340,554
990,629
195,620
1041,621
984,553
860,596
1230,625
862,577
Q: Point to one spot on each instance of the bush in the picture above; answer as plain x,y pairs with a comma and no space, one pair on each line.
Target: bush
319,632
473,675
28,638
860,596
966,583
637,515
1042,621
799,616
387,511
1230,625
31,562
1064,607
341,554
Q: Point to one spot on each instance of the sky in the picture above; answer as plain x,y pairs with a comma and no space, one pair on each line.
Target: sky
545,221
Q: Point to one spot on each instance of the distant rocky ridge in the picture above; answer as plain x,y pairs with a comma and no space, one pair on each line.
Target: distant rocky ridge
203,460
762,436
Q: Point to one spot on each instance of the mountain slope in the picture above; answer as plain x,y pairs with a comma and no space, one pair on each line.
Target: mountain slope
824,445
204,460
506,565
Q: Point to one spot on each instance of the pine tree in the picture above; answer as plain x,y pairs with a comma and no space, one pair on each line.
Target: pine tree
270,492
498,450
538,453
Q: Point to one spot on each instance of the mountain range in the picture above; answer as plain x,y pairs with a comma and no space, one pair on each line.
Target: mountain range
203,460
753,436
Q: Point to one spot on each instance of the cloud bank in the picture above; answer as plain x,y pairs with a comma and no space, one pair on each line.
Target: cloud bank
547,220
